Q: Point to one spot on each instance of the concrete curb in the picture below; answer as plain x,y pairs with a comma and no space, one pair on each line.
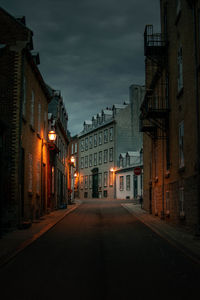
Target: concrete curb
29,241
184,242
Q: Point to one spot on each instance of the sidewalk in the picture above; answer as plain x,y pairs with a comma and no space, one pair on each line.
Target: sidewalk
181,239
14,242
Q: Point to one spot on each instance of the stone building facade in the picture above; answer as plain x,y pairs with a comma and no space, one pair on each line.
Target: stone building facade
103,139
170,115
23,114
58,156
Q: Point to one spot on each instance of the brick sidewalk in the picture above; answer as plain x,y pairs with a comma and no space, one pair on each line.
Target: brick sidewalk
14,242
183,240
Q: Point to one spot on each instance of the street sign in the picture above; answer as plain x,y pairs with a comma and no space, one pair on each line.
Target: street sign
137,171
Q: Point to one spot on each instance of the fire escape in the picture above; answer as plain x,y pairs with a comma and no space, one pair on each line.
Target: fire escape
155,106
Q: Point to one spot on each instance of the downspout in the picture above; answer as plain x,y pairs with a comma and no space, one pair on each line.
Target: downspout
197,231
20,135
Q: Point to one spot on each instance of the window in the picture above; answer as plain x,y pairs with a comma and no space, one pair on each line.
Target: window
86,144
128,182
100,180
100,157
82,162
111,174
111,154
180,69
105,178
75,148
100,138
39,117
86,181
111,134
95,140
82,178
105,156
90,181
86,161
90,160
72,150
24,97
181,145
90,142
32,109
105,135
82,145
95,159
121,183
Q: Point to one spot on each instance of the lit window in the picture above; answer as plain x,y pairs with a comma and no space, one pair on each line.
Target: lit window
111,175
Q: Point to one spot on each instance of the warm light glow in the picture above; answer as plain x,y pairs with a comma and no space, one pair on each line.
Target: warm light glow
72,160
52,136
112,170
75,174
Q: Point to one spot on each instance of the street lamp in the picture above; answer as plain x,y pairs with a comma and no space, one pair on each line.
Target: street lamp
52,136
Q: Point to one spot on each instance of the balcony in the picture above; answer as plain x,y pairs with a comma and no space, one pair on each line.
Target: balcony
154,43
154,107
146,126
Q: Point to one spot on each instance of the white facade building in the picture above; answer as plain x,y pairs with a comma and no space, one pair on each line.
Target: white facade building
103,138
128,184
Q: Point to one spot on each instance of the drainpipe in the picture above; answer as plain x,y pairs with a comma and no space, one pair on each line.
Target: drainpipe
197,231
20,135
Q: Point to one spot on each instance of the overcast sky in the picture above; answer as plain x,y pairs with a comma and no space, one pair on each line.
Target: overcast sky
90,50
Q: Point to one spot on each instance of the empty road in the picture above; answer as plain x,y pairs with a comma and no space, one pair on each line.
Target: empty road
100,251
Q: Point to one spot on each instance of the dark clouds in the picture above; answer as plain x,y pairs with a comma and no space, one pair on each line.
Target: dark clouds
91,50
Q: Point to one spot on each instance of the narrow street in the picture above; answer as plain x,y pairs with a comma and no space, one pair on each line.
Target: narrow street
100,251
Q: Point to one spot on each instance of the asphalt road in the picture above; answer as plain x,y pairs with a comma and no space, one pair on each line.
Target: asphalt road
100,251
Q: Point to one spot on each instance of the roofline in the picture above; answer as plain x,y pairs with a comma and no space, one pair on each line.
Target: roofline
96,128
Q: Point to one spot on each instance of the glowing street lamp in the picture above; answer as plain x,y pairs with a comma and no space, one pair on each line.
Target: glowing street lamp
52,136
72,159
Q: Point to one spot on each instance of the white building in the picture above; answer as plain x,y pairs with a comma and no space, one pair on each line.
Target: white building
103,138
128,184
